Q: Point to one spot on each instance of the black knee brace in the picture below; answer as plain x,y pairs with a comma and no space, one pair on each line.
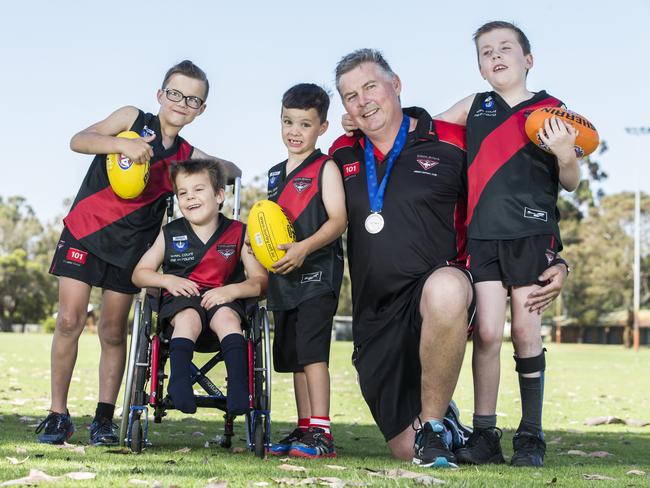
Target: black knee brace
530,365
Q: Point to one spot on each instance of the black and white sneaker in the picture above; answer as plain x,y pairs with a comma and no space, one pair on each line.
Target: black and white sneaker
483,447
103,432
529,449
460,433
432,448
56,428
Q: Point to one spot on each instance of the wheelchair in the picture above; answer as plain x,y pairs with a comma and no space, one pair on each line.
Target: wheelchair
149,352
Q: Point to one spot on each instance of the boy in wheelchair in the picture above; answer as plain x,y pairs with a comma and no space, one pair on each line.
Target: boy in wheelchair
203,281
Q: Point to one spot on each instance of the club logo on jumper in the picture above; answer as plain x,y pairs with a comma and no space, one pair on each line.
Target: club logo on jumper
180,243
226,250
351,169
301,184
146,131
311,277
76,256
488,103
274,176
124,162
531,213
427,162
550,256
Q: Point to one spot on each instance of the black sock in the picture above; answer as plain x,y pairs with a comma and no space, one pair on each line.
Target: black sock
233,347
481,422
532,397
180,378
104,410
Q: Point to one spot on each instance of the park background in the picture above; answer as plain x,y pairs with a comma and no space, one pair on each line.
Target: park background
69,64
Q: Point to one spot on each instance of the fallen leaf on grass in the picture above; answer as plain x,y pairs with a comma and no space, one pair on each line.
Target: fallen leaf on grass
555,440
552,481
238,450
13,460
576,452
21,450
261,483
170,461
121,450
599,454
596,477
636,472
81,475
184,450
36,476
197,433
216,483
135,481
295,481
637,422
24,419
335,466
609,419
291,467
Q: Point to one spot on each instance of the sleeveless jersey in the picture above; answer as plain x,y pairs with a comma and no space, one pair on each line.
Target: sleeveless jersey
513,184
210,265
299,195
424,215
119,231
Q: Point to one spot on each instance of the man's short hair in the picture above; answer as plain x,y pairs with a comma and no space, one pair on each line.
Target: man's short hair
305,96
214,169
189,69
500,24
358,57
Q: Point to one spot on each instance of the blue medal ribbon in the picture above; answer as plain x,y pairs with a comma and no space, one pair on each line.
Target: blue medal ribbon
376,194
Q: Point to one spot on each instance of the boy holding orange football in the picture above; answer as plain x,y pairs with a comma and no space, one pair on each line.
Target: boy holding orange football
304,287
203,281
104,237
513,233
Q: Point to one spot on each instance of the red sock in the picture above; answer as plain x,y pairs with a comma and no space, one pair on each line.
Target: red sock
303,424
321,423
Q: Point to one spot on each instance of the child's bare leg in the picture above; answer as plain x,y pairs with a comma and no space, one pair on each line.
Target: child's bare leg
301,392
226,323
70,321
486,365
318,384
187,327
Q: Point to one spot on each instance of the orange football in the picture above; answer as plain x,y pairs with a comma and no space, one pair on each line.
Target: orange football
587,140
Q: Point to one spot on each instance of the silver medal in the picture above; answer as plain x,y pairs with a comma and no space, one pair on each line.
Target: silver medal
374,223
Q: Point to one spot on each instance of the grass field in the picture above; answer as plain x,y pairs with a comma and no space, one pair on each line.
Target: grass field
582,382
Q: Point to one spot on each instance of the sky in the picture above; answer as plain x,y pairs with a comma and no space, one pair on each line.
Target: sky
69,64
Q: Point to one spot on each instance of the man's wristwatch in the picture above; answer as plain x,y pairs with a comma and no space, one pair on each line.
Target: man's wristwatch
561,261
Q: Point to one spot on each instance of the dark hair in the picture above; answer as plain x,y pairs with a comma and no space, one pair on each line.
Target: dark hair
214,169
358,57
189,69
500,24
304,96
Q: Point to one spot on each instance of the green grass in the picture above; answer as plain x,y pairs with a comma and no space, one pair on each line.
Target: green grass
582,381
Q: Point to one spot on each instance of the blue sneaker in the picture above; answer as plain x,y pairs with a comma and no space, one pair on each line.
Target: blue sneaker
432,448
283,447
459,433
57,428
315,444
103,432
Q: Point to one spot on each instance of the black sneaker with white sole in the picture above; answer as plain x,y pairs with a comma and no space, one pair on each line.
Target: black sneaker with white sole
432,448
529,449
483,447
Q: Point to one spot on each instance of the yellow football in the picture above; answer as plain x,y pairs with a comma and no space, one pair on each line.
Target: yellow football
127,180
268,227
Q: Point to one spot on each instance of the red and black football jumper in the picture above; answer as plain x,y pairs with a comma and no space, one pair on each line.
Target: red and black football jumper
512,183
299,195
424,215
119,231
212,264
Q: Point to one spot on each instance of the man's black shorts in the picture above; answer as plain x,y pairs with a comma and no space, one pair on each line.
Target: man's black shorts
389,366
303,334
171,305
72,260
515,262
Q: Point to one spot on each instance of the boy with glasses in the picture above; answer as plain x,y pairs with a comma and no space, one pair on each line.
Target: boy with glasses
104,237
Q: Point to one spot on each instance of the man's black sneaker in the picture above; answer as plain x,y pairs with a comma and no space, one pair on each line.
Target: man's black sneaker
483,447
314,444
284,445
529,449
103,432
57,428
431,446
460,433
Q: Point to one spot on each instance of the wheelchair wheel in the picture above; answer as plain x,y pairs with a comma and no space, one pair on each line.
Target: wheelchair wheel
137,442
258,437
262,378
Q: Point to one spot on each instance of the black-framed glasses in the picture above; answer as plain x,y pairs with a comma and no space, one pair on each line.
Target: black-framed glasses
176,96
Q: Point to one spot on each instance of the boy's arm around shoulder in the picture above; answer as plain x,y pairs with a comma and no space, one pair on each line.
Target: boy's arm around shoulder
145,273
458,112
100,138
232,170
333,196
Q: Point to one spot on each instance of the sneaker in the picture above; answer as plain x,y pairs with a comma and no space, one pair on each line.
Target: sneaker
460,433
283,446
58,428
432,447
483,447
529,449
315,443
103,432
